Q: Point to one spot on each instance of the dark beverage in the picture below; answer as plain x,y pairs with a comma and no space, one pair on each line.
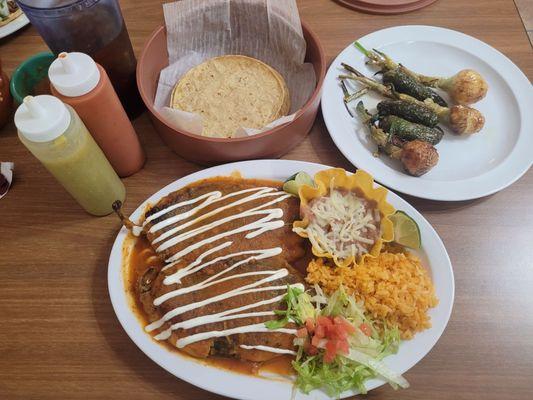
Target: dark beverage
94,27
118,60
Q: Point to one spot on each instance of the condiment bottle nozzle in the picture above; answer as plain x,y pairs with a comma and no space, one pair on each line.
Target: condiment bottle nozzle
66,62
34,108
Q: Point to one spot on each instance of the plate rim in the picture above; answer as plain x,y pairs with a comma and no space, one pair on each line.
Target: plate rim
514,166
152,349
374,8
13,26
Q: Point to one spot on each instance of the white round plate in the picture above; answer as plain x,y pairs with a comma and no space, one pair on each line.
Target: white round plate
14,25
469,167
239,386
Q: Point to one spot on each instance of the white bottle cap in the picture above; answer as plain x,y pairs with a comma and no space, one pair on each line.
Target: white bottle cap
42,118
73,74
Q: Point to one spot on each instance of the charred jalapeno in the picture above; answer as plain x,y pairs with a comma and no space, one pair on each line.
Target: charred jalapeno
409,130
461,119
405,83
389,144
465,87
413,112
417,156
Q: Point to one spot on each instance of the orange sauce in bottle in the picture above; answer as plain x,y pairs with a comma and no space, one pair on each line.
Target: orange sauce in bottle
101,111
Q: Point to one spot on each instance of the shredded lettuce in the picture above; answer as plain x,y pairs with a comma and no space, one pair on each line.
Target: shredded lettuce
390,342
340,303
304,309
299,309
349,372
346,372
379,368
334,378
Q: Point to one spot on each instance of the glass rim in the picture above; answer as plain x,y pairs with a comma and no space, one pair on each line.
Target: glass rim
62,4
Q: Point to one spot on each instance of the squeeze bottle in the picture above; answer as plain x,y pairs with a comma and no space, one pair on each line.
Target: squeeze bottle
84,85
56,136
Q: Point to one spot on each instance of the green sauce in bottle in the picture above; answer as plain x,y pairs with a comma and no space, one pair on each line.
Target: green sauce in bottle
55,135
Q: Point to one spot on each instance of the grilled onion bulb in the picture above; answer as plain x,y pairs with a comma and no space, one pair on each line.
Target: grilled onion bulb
465,87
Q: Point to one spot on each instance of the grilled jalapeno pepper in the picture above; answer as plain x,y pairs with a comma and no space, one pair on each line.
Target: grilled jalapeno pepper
405,83
412,112
409,130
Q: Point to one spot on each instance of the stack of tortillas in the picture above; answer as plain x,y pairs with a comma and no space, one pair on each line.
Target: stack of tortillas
232,92
13,12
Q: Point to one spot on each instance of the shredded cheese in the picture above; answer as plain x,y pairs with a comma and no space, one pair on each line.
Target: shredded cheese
342,224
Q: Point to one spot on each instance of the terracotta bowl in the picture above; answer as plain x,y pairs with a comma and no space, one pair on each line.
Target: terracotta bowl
204,150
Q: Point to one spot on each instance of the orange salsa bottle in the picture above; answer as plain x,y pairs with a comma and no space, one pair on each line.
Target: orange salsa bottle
84,85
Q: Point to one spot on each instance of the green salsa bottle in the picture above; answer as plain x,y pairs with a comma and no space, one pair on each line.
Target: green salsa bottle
56,136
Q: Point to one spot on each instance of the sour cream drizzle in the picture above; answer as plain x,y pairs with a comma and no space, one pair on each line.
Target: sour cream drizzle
173,220
241,329
223,316
268,348
270,219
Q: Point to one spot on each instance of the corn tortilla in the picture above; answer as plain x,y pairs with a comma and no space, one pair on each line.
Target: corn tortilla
231,92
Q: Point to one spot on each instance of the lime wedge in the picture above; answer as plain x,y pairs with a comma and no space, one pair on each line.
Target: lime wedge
406,231
292,185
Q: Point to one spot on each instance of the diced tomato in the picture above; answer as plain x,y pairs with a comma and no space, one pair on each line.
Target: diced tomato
310,325
324,321
343,347
366,329
312,350
301,333
337,332
346,324
331,351
342,333
320,331
330,331
315,340
331,346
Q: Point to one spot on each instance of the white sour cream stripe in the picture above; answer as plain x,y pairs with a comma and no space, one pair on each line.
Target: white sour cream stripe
197,266
186,324
273,213
210,197
255,328
176,277
223,315
232,293
266,192
269,349
270,219
210,282
260,226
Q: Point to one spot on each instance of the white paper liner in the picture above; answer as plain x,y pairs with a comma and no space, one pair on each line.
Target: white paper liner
268,30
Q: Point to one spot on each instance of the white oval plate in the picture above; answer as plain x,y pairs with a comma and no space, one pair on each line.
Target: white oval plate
238,386
14,25
469,167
